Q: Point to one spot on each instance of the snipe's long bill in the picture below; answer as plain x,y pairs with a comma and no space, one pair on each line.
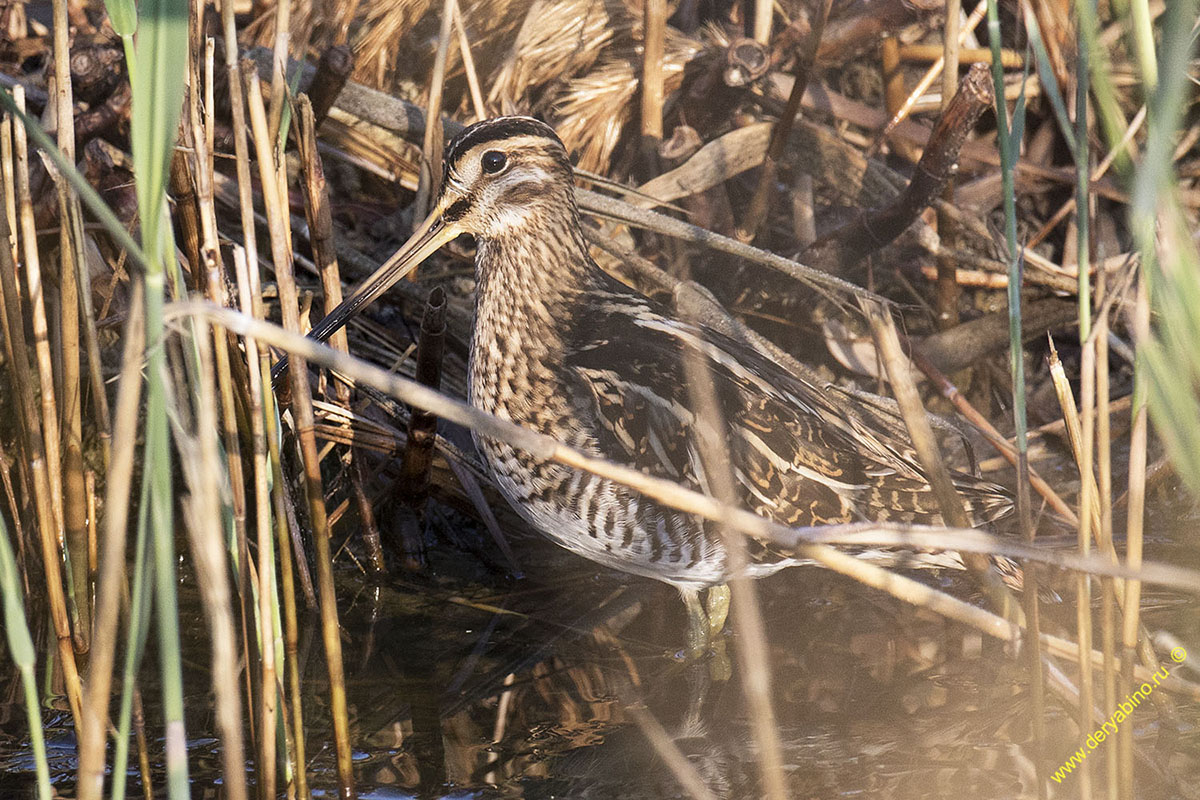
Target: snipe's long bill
561,347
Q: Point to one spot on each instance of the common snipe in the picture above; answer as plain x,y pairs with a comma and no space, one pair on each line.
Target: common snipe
563,348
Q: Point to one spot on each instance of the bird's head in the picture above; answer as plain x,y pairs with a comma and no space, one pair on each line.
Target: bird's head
501,176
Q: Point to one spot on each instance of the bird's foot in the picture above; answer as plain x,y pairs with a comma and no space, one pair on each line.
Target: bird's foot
718,609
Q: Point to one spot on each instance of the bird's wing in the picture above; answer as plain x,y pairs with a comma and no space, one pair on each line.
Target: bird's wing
797,453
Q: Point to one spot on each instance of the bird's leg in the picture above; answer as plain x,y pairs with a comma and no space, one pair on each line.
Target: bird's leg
718,608
697,624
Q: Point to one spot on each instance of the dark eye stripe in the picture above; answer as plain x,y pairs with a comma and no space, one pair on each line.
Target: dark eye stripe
457,210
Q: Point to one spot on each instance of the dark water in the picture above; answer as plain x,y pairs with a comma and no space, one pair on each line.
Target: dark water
466,683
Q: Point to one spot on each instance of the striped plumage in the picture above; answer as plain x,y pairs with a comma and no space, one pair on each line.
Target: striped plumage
561,347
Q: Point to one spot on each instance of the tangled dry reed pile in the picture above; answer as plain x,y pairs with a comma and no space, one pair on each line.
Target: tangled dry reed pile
744,157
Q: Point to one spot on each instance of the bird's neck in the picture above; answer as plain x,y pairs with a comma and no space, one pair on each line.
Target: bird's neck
529,282
529,277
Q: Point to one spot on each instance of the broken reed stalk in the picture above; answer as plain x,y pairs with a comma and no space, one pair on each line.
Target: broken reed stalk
806,56
665,491
268,498
843,248
1075,437
751,641
921,433
41,442
417,459
277,216
333,70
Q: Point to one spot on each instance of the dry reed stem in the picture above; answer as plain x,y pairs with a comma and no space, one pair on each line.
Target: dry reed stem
431,163
264,141
41,336
199,134
928,53
654,27
8,179
947,295
993,436
110,583
1075,436
277,217
258,363
1142,639
70,395
42,442
8,287
1135,522
1088,496
464,49
199,456
936,473
1104,471
751,642
893,75
139,729
671,494
321,237
763,11
279,60
240,148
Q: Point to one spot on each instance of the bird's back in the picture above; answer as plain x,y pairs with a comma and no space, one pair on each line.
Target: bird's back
799,453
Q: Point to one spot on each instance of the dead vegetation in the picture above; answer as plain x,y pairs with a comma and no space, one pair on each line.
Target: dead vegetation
771,167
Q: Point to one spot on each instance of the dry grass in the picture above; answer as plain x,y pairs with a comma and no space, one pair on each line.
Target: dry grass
196,438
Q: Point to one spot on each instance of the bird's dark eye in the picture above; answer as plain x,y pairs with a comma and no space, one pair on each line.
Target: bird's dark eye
494,161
